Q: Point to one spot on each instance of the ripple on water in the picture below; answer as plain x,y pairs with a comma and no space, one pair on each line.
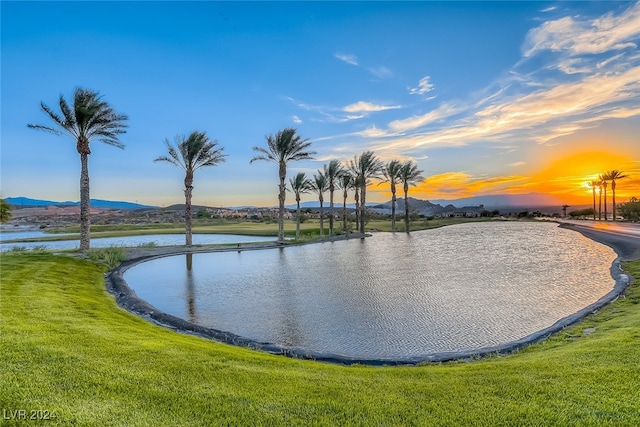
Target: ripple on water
455,288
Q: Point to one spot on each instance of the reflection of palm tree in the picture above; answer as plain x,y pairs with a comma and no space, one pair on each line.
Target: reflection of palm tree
191,298
409,176
612,176
603,181
299,184
282,148
191,153
88,119
564,210
365,167
319,185
346,183
332,172
593,185
391,173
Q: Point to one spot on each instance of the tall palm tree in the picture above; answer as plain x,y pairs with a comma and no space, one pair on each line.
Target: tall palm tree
332,172
613,175
346,183
391,173
409,176
604,182
320,184
365,167
191,153
89,118
283,147
593,185
299,184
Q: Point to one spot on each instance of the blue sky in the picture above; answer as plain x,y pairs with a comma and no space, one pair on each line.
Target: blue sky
488,98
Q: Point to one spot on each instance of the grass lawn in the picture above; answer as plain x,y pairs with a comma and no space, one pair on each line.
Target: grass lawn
308,229
68,349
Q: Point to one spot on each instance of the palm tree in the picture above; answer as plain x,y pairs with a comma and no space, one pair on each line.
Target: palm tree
299,184
409,176
5,211
612,176
603,182
365,167
191,153
345,182
282,148
89,118
332,172
564,210
391,173
320,184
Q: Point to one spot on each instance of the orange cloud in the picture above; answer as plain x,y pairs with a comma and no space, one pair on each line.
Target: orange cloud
565,178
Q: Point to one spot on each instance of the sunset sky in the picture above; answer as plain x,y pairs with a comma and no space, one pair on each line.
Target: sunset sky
487,98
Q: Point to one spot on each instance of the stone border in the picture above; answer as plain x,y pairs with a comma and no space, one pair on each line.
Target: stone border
127,299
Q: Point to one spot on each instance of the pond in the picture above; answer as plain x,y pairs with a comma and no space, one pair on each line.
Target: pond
130,241
452,289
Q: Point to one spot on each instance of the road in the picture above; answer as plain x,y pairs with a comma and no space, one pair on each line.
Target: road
624,237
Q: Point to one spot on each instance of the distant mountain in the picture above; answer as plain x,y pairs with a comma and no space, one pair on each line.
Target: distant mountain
95,203
527,200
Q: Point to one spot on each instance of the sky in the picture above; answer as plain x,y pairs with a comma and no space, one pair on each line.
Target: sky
487,98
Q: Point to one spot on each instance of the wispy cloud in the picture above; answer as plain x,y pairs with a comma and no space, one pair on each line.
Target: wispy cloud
461,184
349,59
415,122
368,107
380,72
583,36
296,120
424,86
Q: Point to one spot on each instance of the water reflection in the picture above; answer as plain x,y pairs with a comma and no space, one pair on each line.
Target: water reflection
456,288
191,296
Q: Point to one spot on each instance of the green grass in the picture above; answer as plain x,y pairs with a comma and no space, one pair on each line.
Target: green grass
309,229
68,348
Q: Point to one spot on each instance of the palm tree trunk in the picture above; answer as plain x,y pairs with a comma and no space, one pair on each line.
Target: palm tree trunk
600,204
594,202
605,204
85,203
321,217
393,207
344,213
407,226
188,192
281,197
363,207
357,198
613,197
298,216
331,189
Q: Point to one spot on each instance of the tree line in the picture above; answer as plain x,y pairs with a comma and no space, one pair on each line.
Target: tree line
601,184
90,118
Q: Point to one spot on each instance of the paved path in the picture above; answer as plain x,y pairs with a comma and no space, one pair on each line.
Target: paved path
623,237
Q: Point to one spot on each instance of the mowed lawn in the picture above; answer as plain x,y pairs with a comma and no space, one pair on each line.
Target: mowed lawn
68,349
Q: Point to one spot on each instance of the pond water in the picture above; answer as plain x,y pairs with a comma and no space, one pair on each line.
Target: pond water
456,288
131,241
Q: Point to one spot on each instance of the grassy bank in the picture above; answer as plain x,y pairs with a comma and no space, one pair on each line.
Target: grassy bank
67,348
308,229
